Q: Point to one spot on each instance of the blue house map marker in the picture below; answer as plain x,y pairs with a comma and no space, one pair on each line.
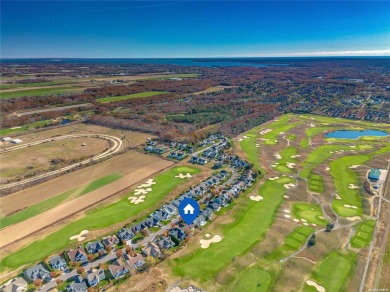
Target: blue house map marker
189,210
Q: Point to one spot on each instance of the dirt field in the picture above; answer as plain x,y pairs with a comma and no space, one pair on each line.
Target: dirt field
139,168
125,164
36,159
131,139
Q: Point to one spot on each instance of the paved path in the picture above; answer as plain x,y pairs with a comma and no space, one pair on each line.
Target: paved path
51,109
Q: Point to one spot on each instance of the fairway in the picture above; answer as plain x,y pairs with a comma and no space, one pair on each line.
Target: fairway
40,91
97,219
333,272
363,234
130,96
312,213
253,279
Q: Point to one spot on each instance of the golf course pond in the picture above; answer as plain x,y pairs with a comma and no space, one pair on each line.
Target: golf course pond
355,134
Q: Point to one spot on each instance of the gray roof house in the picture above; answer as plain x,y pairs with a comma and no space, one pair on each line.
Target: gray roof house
93,278
110,240
152,249
94,246
200,221
164,242
178,233
15,285
134,262
77,287
37,272
125,234
58,263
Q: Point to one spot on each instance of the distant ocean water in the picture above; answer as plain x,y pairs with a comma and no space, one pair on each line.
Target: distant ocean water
201,62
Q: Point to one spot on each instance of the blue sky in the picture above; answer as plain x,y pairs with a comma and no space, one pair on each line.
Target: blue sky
193,29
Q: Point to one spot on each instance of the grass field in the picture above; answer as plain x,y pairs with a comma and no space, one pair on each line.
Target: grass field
363,234
294,241
9,131
96,219
286,154
249,147
130,96
333,272
251,220
315,183
40,92
55,201
253,279
312,213
36,84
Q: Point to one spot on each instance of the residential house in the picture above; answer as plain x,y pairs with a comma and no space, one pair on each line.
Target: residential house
15,285
58,263
170,209
110,241
151,222
138,227
164,242
94,278
37,272
177,233
214,206
125,234
77,255
117,270
135,262
200,221
161,215
77,287
152,249
207,213
94,246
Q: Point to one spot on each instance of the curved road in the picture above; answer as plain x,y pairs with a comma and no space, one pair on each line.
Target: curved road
117,145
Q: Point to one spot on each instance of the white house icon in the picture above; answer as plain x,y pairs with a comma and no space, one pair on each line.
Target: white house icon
188,209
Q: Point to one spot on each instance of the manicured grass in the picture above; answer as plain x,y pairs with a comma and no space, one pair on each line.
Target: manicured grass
250,222
310,212
363,234
101,182
55,201
253,279
130,96
294,241
286,154
39,92
316,183
333,272
96,219
248,145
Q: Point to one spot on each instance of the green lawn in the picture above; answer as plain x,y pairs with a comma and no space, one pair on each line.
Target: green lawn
363,234
286,154
294,241
333,272
130,96
315,183
96,219
253,279
310,212
40,92
55,201
248,145
250,222
14,130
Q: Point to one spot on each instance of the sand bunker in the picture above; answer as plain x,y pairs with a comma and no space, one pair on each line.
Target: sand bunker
256,198
338,197
274,178
147,184
245,137
286,210
289,186
353,218
321,217
287,216
286,196
207,235
313,224
181,175
354,166
295,220
312,125
142,191
353,146
205,243
80,236
350,206
240,139
277,155
315,285
265,131
352,186
137,200
290,164
327,168
307,224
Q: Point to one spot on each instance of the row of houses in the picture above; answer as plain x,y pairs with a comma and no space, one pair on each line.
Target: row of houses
177,155
182,146
155,149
